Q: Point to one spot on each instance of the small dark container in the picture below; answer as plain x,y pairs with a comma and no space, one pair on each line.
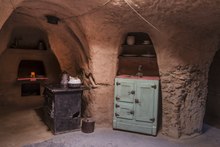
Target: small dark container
88,125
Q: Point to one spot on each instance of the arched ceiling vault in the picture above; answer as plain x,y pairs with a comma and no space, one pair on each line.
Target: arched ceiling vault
200,14
90,20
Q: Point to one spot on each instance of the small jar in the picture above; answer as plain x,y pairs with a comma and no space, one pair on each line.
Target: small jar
130,40
33,75
88,125
64,79
41,45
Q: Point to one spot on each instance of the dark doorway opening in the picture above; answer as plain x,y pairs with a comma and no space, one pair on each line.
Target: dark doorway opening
212,116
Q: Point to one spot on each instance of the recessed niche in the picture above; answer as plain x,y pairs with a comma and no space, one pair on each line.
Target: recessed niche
52,19
137,56
28,38
140,38
26,67
30,89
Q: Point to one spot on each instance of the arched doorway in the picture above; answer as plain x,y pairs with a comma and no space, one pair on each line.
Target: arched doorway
22,56
21,47
212,116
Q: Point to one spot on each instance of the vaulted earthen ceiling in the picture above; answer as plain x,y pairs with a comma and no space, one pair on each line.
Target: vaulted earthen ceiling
200,14
92,20
185,35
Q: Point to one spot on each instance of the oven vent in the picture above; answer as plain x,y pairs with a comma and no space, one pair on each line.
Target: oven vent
52,19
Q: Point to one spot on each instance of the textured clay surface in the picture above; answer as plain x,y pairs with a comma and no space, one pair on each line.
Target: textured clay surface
87,42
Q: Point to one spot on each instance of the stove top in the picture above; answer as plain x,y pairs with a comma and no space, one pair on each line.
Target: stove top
61,88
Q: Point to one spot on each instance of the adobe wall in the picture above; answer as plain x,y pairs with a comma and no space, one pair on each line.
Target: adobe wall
185,42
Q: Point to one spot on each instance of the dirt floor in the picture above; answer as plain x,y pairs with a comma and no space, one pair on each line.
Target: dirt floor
19,127
106,137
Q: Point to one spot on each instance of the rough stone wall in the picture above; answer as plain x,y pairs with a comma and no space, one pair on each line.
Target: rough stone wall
184,77
184,96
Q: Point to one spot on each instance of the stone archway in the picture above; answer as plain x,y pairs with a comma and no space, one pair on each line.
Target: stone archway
212,116
21,57
34,13
66,41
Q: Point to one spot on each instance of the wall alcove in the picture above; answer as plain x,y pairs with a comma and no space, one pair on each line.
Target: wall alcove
27,66
31,69
58,46
140,53
212,115
137,85
24,56
27,37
